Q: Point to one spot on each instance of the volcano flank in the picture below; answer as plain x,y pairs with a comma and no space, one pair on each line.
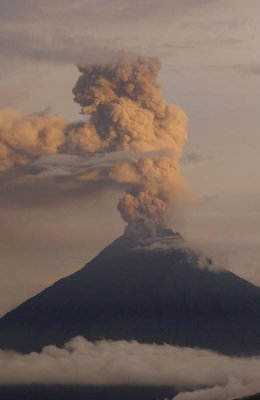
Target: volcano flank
152,291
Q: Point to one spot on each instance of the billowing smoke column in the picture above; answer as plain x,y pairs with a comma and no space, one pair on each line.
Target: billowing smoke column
130,127
127,112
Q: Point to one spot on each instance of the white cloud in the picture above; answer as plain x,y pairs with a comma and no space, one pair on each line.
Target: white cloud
234,388
132,363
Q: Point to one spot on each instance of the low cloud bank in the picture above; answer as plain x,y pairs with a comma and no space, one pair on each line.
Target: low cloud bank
107,362
235,388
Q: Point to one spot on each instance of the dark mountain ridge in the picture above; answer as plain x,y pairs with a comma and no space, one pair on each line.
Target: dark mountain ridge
149,291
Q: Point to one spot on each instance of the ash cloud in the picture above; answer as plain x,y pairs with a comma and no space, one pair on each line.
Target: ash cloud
132,138
118,363
24,138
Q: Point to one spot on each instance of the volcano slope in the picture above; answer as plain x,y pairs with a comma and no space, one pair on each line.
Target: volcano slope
149,292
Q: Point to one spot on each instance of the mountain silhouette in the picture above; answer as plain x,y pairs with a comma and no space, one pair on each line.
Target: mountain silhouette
152,291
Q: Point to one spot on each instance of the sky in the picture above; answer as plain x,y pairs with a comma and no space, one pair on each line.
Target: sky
210,55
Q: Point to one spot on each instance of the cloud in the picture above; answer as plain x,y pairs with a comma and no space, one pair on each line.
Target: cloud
234,388
202,43
80,30
193,160
56,49
245,69
100,9
251,69
73,165
132,363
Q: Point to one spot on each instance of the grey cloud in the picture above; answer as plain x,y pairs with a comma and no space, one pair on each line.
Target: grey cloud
99,9
73,165
207,42
193,160
66,32
246,69
80,30
241,258
62,49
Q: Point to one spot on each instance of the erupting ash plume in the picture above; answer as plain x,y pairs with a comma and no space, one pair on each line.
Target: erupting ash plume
127,112
126,115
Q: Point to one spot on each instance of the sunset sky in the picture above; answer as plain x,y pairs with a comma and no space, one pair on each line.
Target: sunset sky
210,55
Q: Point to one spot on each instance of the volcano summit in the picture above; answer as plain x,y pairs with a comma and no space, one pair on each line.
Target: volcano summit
150,290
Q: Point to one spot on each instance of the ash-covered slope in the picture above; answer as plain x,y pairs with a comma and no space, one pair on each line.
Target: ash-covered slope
143,292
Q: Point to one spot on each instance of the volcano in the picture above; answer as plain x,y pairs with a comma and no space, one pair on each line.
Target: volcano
152,291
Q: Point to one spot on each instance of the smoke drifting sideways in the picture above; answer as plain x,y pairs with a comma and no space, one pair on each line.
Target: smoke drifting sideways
131,138
195,373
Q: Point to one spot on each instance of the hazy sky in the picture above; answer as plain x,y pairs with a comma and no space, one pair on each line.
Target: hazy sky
210,54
